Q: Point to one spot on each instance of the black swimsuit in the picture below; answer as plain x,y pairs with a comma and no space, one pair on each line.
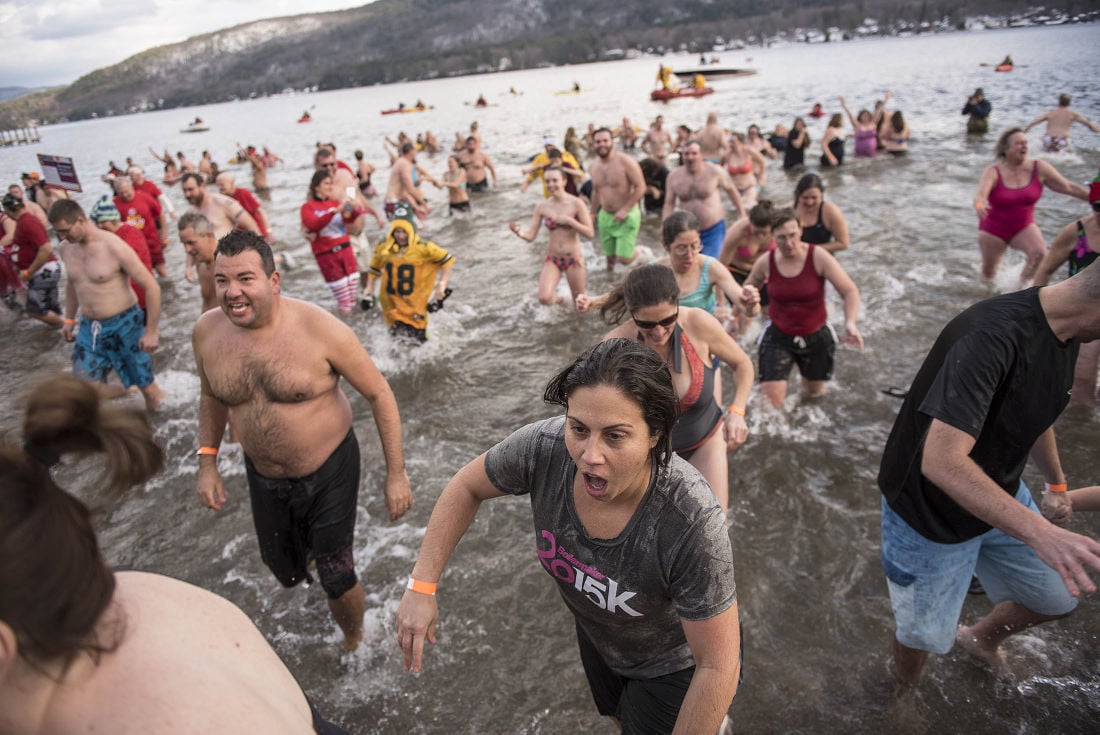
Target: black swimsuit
817,233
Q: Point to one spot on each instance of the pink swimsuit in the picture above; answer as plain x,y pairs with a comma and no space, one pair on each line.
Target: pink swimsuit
1011,210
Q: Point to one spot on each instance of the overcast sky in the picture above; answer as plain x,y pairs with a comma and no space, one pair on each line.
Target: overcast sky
53,42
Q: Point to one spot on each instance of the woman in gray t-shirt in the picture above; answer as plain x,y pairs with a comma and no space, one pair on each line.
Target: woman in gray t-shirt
631,534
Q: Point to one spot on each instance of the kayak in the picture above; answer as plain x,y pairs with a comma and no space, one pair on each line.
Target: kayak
665,94
574,91
397,110
1003,67
305,119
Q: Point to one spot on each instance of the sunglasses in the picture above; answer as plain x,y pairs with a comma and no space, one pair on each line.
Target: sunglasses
666,322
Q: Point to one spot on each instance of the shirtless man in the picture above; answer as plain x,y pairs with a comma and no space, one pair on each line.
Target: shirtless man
197,236
114,334
259,172
206,166
474,160
272,365
657,142
697,185
627,135
186,166
224,213
712,140
617,187
1058,123
401,191
227,185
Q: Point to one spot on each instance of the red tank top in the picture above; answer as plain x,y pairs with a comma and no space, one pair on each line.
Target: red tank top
796,305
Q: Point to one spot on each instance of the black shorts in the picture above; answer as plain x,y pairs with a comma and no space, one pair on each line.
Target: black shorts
453,207
311,517
482,185
813,354
643,706
401,330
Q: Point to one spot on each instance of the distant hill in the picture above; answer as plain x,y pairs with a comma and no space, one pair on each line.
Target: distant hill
10,93
394,40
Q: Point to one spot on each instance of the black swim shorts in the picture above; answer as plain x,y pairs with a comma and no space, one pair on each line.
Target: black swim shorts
642,705
813,354
482,185
311,517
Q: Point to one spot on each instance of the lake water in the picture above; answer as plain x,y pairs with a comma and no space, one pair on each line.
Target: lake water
804,504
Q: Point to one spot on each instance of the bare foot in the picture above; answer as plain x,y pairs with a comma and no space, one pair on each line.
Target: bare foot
992,657
352,643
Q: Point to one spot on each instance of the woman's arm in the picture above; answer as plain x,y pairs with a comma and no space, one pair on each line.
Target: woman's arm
726,349
985,185
830,269
834,220
716,647
1058,254
536,222
1050,177
453,513
746,300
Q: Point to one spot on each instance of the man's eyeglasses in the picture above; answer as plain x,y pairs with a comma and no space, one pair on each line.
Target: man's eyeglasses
666,322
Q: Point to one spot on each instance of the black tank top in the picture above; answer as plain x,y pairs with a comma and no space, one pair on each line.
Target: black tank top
817,233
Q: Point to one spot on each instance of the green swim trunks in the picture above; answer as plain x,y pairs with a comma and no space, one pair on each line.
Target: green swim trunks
618,238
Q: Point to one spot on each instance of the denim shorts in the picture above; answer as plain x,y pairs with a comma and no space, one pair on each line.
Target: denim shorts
928,581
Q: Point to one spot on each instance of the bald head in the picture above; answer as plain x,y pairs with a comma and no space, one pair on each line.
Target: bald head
226,184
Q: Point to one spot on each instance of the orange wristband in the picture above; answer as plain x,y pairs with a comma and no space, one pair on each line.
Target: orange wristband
68,321
207,450
424,588
739,411
1059,488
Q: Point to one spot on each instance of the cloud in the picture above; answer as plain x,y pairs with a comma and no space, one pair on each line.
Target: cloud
79,18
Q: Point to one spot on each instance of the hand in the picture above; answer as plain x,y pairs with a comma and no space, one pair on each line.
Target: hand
622,214
68,332
514,228
398,494
416,618
750,299
211,492
1068,554
1057,508
852,337
583,302
982,210
149,341
189,275
736,430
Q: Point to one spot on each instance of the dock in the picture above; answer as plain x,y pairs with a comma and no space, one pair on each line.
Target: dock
19,136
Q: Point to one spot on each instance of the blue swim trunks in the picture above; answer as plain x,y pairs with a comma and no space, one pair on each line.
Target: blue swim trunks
112,344
713,237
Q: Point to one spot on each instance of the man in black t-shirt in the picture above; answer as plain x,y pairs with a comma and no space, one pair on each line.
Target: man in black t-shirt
985,400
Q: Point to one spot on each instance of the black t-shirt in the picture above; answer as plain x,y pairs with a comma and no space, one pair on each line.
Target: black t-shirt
656,203
996,372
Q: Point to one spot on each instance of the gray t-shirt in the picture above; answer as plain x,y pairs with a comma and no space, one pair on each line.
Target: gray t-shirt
673,560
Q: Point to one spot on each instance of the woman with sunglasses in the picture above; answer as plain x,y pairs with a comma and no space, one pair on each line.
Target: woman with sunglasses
83,647
1078,244
799,333
630,533
567,219
688,340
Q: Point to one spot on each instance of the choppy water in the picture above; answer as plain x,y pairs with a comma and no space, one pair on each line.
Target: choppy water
803,498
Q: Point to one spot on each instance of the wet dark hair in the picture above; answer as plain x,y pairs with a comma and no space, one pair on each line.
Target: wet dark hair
65,210
318,176
762,214
677,222
238,241
647,285
897,121
56,585
408,146
808,181
603,129
192,175
1002,142
636,371
783,216
836,121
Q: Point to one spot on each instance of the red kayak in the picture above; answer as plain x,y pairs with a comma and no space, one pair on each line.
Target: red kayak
665,94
